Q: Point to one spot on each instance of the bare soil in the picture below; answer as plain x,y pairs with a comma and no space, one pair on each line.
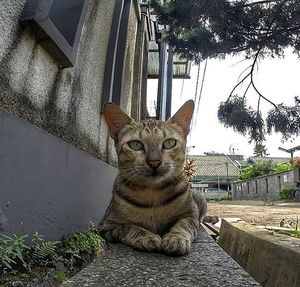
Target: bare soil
256,212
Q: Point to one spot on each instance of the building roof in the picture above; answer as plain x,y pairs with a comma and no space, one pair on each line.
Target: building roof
242,161
277,160
212,167
181,66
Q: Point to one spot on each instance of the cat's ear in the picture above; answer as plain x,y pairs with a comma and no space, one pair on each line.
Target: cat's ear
184,116
115,119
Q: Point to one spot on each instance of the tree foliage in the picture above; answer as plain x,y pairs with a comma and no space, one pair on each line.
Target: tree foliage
285,120
260,150
214,28
201,29
263,168
236,114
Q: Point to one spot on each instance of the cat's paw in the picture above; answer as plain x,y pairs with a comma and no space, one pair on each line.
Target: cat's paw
176,245
108,236
210,219
150,242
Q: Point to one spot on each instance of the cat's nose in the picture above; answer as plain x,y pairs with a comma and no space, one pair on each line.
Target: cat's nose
154,163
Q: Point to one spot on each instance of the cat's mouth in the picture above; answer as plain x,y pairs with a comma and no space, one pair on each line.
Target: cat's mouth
154,172
157,172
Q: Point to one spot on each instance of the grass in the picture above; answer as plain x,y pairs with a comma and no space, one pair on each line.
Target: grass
26,265
293,233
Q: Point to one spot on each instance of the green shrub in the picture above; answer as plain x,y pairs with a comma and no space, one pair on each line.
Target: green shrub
225,197
283,167
72,252
286,193
261,168
60,277
88,242
42,249
11,250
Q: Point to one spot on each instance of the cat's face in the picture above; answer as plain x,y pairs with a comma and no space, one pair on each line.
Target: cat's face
149,151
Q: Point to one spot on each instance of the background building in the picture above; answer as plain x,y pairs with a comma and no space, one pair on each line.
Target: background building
214,170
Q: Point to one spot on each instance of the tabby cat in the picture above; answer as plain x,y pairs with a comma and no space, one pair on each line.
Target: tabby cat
152,207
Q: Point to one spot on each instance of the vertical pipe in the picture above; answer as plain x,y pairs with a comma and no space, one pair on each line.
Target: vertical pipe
169,82
162,80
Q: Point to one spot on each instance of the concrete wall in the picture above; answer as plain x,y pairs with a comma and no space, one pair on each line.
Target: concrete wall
273,261
65,102
127,82
48,185
263,187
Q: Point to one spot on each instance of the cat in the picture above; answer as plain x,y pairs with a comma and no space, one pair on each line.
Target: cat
152,208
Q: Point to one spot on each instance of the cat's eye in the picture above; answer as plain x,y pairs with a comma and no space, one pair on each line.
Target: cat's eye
170,143
136,145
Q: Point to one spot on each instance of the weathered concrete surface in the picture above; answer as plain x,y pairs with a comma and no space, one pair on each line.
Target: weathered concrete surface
65,102
265,187
47,185
274,261
207,265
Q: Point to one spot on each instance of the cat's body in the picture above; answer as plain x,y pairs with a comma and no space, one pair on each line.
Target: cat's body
152,207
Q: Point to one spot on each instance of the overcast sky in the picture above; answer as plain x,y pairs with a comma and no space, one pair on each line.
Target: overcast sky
277,79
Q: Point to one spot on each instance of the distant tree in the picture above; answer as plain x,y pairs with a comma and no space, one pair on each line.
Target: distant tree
214,28
260,150
261,168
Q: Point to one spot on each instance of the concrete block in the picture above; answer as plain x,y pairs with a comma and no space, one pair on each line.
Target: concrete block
207,265
273,261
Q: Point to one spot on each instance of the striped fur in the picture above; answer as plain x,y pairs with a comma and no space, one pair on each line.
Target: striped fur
152,208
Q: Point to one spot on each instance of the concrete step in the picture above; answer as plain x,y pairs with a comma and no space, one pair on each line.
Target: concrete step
206,266
273,260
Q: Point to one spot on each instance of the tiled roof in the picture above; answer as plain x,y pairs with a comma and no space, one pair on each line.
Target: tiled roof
214,167
243,161
277,160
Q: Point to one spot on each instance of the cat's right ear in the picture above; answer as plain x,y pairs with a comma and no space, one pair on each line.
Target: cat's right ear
115,119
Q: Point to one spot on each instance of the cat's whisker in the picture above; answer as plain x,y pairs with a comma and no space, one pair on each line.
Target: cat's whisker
128,180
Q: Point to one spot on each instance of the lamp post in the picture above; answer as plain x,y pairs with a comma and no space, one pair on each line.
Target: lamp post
290,151
188,149
227,175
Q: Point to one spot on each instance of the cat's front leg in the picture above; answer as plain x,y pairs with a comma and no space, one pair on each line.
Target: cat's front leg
178,240
134,236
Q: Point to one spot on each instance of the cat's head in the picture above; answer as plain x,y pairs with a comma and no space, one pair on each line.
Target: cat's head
149,151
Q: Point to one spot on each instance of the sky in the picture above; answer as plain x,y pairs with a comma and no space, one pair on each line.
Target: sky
278,79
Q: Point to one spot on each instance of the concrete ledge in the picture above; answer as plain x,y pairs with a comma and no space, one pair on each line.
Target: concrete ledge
274,261
207,265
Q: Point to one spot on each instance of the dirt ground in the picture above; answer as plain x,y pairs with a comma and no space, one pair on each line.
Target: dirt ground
255,211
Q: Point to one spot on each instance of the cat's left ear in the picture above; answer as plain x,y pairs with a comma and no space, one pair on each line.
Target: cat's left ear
115,119
184,116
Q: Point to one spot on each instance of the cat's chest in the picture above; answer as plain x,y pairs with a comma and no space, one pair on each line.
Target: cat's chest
157,218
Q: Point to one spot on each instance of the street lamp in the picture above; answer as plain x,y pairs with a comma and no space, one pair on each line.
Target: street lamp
188,149
290,151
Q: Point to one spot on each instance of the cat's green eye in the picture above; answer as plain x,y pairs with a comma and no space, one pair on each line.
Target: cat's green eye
170,143
136,145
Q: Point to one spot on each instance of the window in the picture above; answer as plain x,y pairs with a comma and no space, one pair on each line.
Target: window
256,187
279,182
267,185
248,187
57,25
115,58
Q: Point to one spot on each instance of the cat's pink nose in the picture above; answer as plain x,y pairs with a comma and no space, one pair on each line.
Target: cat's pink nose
154,163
